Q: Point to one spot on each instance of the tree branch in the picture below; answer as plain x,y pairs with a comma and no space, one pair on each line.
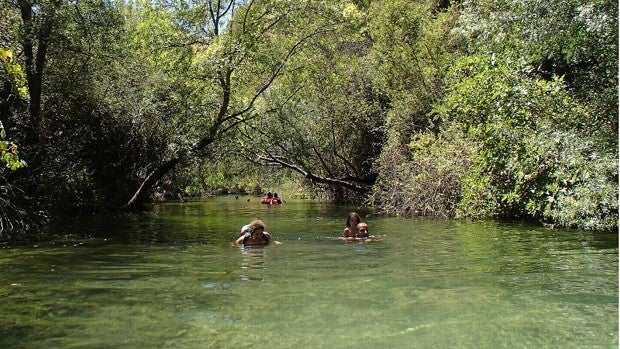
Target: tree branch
276,160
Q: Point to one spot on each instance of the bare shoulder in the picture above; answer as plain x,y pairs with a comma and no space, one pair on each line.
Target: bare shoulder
347,233
271,239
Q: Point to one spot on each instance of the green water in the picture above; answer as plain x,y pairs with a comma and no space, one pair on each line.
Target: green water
172,279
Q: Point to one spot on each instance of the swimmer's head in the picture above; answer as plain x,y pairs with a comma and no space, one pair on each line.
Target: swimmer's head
362,227
353,219
257,226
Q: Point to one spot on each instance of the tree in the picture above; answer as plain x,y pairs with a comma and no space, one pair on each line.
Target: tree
515,128
419,168
543,151
12,91
38,25
234,63
324,118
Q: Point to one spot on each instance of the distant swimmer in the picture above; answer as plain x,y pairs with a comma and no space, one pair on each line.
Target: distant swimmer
269,199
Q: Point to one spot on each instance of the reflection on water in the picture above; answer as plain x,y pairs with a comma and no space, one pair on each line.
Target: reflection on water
253,257
171,279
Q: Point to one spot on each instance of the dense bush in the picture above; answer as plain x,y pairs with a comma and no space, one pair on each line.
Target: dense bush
428,183
537,156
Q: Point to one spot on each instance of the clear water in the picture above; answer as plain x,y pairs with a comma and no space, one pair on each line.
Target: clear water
172,279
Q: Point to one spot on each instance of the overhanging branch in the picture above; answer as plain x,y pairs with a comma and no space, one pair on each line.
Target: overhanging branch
280,161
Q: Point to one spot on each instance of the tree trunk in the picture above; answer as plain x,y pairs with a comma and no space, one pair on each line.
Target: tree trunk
35,44
138,200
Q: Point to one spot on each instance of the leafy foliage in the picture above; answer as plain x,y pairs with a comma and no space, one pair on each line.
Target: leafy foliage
537,150
519,96
477,109
418,173
410,61
12,90
324,118
14,213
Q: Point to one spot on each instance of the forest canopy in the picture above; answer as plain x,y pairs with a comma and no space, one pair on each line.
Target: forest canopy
469,109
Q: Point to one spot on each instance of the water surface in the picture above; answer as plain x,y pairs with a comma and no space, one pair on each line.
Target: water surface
172,279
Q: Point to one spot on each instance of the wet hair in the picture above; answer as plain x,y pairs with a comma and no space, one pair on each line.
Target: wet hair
353,215
256,224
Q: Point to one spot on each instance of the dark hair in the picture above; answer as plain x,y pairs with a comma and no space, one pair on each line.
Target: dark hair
353,215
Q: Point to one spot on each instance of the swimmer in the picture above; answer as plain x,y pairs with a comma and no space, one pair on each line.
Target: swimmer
351,230
255,235
362,231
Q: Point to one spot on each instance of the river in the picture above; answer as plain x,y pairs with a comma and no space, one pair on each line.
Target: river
171,278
